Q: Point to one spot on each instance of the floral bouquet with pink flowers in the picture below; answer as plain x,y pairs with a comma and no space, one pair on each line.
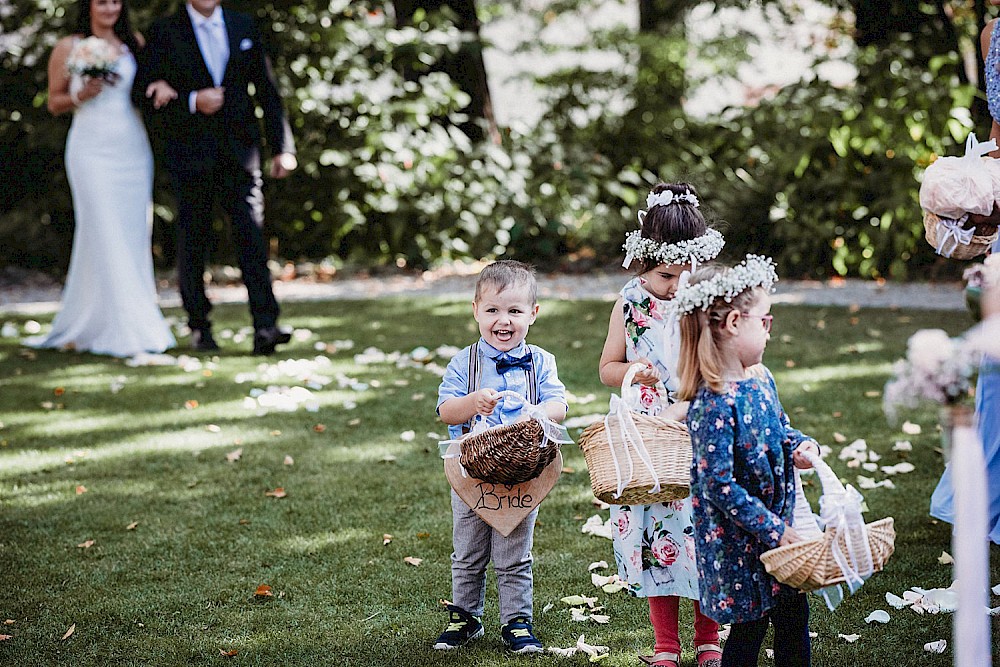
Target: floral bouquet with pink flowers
95,58
937,369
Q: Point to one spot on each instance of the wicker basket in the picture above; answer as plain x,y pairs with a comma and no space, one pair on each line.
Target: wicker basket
508,454
664,443
978,246
809,565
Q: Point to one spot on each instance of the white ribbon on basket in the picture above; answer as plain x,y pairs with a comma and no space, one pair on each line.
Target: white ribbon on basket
621,409
551,431
951,234
841,509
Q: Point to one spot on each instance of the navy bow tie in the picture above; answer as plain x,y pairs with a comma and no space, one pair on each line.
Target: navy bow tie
505,364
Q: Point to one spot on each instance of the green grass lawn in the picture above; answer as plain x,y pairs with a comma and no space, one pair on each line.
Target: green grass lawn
149,445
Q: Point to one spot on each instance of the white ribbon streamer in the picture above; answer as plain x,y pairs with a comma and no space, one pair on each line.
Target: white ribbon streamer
951,234
631,439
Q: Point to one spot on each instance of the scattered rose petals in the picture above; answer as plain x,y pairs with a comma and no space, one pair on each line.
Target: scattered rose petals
769,652
909,428
839,438
895,601
9,621
87,544
213,428
996,589
388,458
850,639
411,560
946,559
69,632
595,525
4,638
386,539
263,591
190,404
319,428
936,647
598,565
231,653
547,608
289,461
279,492
579,601
877,616
132,526
80,490
899,468
902,446
234,455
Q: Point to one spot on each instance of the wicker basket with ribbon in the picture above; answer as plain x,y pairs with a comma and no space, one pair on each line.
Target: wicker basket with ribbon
951,239
845,551
637,459
511,453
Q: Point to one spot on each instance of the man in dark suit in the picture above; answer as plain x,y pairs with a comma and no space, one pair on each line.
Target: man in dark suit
211,142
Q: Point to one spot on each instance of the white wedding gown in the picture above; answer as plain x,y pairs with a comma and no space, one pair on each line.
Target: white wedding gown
109,300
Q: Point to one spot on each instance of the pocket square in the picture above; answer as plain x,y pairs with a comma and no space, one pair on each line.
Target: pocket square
245,44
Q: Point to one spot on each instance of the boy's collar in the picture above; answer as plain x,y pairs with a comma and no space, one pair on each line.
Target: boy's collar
493,353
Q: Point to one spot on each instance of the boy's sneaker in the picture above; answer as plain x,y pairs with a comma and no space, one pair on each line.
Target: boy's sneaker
518,637
462,628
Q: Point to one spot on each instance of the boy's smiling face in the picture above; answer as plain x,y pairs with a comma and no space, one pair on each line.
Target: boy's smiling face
504,317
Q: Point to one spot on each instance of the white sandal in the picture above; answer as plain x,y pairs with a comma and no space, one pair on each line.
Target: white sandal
662,659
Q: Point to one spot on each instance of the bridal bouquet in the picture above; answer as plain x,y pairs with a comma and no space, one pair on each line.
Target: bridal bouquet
937,369
95,58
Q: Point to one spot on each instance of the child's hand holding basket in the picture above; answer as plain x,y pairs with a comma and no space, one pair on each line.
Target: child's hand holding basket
635,458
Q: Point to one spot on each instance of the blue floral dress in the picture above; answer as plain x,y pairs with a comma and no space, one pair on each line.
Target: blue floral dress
653,544
743,490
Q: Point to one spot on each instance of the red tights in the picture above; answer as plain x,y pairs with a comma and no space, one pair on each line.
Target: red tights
663,615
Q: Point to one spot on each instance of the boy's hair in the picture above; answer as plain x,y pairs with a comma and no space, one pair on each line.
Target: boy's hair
675,222
700,360
504,273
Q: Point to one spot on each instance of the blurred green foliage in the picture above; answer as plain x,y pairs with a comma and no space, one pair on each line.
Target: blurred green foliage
822,178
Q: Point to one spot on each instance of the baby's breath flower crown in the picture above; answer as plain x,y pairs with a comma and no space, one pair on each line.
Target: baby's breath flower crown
700,249
754,271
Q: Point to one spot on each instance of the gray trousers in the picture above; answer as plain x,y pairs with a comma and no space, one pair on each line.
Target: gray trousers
476,543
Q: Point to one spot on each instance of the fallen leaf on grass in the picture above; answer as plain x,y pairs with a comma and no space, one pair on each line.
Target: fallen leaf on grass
946,559
87,544
386,539
132,526
69,632
936,647
234,455
263,591
277,493
80,490
231,653
411,560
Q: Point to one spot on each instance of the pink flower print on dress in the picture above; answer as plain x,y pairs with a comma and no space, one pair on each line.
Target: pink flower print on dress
639,317
665,551
654,310
622,523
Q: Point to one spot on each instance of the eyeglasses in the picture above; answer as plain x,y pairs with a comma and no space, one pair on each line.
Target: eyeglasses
768,320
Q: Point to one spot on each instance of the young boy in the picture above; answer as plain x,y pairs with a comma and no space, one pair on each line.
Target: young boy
505,306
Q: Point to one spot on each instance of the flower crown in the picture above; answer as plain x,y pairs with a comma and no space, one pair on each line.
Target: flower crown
702,248
754,271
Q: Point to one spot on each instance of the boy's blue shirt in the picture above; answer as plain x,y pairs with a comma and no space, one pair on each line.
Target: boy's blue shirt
455,382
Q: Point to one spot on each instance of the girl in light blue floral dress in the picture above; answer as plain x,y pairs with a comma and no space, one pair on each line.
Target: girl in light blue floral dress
654,544
744,449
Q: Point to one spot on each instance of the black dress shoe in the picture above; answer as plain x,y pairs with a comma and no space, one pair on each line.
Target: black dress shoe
268,338
202,341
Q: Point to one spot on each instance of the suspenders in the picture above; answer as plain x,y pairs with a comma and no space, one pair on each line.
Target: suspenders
476,374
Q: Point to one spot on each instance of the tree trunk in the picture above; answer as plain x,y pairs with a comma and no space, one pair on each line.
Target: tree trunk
466,68
661,79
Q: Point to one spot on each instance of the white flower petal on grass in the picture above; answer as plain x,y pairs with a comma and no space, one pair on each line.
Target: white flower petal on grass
895,601
910,428
996,589
547,607
579,600
598,565
946,599
769,652
870,467
407,436
562,652
724,631
902,446
877,616
600,618
936,647
813,635
595,652
595,525
899,468
946,559
850,639
994,611
598,579
9,330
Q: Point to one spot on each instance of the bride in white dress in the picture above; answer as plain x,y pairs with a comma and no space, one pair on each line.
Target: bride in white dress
109,299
